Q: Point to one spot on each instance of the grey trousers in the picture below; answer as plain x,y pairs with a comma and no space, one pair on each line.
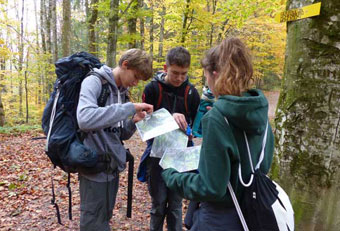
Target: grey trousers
209,218
165,203
97,200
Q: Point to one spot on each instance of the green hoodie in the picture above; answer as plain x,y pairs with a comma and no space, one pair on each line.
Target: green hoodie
223,147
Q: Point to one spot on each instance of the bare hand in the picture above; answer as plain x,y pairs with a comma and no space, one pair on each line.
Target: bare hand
180,120
139,116
148,108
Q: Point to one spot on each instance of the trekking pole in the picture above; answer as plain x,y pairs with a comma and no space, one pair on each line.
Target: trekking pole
131,160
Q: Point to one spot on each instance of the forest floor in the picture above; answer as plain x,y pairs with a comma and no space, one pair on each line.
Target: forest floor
25,187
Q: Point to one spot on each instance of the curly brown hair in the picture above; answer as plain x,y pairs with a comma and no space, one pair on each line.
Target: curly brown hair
232,61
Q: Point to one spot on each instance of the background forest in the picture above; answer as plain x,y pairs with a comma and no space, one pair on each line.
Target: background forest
36,33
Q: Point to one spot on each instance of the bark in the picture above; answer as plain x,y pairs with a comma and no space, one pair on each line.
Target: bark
141,25
211,33
132,24
2,112
161,34
308,118
54,30
113,34
21,55
151,29
42,23
48,28
186,24
26,87
92,16
66,28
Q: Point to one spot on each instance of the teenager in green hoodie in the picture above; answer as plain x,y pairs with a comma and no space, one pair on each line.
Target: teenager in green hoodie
229,72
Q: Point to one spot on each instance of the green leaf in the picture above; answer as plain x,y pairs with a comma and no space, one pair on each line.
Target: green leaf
12,186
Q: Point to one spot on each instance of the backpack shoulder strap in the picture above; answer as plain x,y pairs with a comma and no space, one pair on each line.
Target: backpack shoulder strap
186,93
160,95
105,92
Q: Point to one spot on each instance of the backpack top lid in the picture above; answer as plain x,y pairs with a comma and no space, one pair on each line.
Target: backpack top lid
79,64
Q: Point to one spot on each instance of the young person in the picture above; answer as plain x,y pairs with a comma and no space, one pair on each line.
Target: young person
229,71
181,99
105,127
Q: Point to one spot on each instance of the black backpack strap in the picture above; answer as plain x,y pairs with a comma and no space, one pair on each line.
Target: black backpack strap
105,92
69,196
130,159
53,200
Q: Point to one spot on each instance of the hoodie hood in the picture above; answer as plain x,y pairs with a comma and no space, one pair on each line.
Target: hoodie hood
107,74
248,112
160,77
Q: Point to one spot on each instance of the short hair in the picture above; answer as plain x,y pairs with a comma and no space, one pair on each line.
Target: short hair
139,61
232,61
178,56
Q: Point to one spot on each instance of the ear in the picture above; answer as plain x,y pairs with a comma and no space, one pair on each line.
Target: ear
125,64
215,74
165,68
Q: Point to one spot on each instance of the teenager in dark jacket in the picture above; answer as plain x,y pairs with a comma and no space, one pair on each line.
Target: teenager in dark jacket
105,128
228,70
181,99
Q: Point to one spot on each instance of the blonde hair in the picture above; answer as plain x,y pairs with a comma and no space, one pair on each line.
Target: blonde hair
139,61
232,61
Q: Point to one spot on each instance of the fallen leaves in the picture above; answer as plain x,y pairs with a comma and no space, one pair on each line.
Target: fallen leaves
25,189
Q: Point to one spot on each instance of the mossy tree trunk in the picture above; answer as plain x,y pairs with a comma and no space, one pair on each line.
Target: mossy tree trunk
308,117
66,28
111,51
92,16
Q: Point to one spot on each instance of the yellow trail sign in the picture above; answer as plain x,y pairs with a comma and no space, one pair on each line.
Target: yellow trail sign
299,13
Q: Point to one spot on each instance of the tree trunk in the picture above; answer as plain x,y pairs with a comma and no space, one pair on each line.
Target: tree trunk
48,29
308,118
113,34
161,34
185,22
42,24
132,21
2,111
151,29
54,30
26,87
141,25
21,56
92,19
212,26
66,28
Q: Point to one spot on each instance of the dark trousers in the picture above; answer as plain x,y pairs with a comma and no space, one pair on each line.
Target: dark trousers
97,200
165,203
211,218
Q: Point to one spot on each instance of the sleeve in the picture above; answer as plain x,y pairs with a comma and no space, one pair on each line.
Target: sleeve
92,117
210,183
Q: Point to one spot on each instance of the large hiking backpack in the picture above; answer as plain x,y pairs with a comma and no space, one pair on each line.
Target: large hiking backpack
59,121
64,145
265,206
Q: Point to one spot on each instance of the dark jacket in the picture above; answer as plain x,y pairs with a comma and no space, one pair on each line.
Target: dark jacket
172,97
173,101
224,146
